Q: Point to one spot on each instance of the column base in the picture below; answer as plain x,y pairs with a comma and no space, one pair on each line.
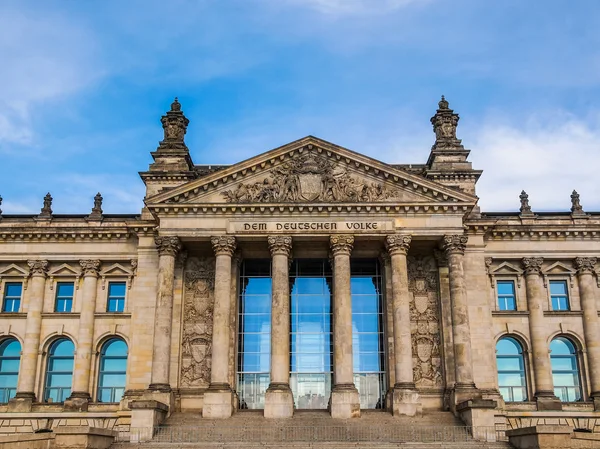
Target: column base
279,401
21,403
546,400
77,402
163,396
479,414
405,401
344,402
145,415
218,401
463,392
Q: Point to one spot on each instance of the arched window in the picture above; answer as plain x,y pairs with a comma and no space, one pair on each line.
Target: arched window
113,365
565,371
511,370
10,358
59,374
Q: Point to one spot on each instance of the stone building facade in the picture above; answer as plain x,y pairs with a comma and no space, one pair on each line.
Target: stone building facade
309,276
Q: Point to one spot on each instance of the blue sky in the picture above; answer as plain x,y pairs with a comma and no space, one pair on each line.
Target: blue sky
83,85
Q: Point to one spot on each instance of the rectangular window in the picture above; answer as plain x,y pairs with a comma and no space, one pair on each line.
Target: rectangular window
12,296
559,295
64,296
506,295
116,297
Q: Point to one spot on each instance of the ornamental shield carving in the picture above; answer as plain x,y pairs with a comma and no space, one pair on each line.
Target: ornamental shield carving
310,186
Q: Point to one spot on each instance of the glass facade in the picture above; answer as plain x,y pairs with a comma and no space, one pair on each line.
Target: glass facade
565,370
506,295
113,366
367,332
64,297
116,297
12,297
511,370
311,338
59,372
254,350
559,295
10,359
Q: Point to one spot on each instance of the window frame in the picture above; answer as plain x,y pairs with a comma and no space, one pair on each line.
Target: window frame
578,364
49,357
3,343
12,298
101,357
124,298
56,297
568,295
524,372
515,293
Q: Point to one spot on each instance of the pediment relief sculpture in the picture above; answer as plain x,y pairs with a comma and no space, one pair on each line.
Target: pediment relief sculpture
312,178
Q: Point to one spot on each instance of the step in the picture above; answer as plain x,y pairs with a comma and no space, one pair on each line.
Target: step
337,445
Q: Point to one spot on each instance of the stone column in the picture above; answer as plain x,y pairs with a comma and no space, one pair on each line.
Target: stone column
464,387
80,395
29,356
405,400
591,328
542,371
344,402
168,247
279,401
218,399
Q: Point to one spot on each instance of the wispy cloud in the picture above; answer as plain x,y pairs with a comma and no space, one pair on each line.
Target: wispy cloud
350,7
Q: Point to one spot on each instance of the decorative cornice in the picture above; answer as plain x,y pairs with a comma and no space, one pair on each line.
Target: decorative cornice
90,267
398,244
532,265
223,245
585,265
280,245
38,267
167,246
341,244
454,244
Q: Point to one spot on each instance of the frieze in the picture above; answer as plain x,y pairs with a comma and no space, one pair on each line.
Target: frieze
310,227
424,316
198,310
310,178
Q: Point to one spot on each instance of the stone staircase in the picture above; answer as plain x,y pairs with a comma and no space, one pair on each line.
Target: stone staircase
313,430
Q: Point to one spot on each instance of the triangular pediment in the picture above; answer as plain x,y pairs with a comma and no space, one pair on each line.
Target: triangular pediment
506,269
64,270
116,270
13,270
558,268
310,171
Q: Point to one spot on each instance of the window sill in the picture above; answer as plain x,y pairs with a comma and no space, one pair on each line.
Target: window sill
60,315
510,313
13,315
112,315
563,313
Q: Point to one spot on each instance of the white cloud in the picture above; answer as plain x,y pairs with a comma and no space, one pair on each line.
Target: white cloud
546,155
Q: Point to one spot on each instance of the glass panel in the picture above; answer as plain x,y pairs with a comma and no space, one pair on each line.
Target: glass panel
115,348
113,364
311,391
63,348
558,288
510,363
560,346
64,289
60,380
116,289
10,348
564,363
8,380
505,288
511,370
565,379
9,365
13,289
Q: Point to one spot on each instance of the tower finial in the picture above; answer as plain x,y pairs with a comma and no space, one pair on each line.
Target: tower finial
46,211
576,208
97,209
0,209
175,126
444,124
525,207
443,104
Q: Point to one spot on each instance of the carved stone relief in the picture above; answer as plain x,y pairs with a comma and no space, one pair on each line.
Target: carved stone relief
424,317
310,177
199,278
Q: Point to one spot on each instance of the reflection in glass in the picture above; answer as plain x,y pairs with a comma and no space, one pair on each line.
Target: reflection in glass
254,355
311,351
59,374
511,370
506,295
565,372
10,358
113,366
367,332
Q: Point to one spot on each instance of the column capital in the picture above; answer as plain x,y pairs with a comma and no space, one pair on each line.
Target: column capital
223,245
38,267
280,244
167,245
585,265
341,244
532,265
90,267
454,244
398,244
